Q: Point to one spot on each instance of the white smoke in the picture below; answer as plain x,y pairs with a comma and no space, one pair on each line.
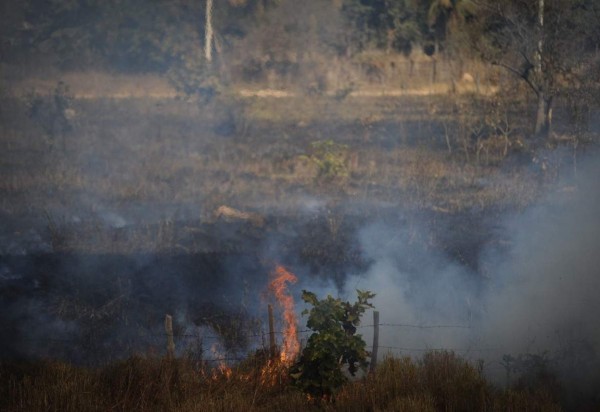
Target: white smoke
543,295
539,294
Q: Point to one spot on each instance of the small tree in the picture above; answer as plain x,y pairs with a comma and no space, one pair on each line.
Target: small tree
333,345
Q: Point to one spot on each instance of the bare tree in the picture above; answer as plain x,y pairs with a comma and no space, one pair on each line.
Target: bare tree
208,38
546,43
544,110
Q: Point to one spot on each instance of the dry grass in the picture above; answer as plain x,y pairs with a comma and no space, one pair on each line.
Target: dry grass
146,154
368,74
94,85
440,381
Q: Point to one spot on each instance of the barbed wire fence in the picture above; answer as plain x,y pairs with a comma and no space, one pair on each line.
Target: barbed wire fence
207,348
261,339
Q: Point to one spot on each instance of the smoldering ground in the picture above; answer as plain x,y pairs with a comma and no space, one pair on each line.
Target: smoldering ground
93,308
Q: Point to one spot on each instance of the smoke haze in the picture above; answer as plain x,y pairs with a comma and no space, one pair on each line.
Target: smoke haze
120,144
536,293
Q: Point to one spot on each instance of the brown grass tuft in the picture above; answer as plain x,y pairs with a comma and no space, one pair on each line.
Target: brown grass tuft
440,381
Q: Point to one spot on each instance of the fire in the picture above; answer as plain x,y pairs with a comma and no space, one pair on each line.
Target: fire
222,369
274,371
280,278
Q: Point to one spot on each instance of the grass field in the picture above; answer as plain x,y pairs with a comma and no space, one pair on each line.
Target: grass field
147,159
120,204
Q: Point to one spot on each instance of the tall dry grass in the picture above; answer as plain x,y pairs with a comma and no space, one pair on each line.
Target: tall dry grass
440,381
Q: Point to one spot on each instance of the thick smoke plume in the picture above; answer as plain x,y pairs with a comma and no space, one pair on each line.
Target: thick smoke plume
536,293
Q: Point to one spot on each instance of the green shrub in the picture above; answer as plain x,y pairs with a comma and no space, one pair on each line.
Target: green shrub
329,158
333,344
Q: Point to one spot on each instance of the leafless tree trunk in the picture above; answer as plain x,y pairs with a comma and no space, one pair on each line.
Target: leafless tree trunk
544,105
543,120
208,39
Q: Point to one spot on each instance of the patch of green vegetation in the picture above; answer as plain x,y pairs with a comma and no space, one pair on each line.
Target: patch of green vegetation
333,345
329,157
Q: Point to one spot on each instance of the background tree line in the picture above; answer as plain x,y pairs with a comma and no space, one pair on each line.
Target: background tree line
141,35
551,45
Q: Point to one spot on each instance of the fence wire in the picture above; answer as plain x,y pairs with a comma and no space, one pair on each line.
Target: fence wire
186,340
303,331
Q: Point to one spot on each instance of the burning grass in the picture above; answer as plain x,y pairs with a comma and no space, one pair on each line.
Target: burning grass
439,381
278,287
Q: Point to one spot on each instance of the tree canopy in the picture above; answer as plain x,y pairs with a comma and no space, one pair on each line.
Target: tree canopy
138,35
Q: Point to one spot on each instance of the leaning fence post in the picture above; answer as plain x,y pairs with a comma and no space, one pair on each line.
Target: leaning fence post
272,347
169,332
373,364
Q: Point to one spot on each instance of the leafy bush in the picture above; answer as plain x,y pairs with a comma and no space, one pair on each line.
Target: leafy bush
333,344
330,159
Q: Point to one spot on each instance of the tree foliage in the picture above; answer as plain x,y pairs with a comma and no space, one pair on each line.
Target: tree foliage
401,25
391,25
445,16
138,35
128,35
333,344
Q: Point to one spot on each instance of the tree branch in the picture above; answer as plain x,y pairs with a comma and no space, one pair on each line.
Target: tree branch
519,73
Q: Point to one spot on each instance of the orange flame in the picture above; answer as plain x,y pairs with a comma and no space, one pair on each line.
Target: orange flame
291,346
222,369
274,373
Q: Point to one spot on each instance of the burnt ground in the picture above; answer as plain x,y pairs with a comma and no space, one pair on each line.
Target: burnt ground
93,307
108,225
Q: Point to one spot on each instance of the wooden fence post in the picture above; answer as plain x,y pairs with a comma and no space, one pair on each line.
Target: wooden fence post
272,346
169,332
373,364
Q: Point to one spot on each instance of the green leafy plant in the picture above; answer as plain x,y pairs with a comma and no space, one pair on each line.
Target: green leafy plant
333,345
330,159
